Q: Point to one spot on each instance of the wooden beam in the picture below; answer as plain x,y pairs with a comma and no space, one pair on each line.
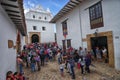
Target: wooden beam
11,5
16,18
67,8
73,1
18,23
12,11
11,8
13,0
14,15
64,10
70,6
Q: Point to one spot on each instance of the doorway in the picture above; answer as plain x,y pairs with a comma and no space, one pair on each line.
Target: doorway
35,38
64,44
68,43
110,45
18,42
99,42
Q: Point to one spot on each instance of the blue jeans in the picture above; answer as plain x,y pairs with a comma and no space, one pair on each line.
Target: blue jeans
73,73
21,68
33,67
59,60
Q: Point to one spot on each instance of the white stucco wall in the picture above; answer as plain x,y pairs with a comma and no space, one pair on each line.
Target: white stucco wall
38,15
22,41
80,14
7,56
113,23
48,34
111,20
73,27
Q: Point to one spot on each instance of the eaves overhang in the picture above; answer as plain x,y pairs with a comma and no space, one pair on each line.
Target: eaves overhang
68,7
14,9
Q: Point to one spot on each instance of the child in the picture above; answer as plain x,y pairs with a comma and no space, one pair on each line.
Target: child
9,76
82,63
78,63
62,65
33,63
16,75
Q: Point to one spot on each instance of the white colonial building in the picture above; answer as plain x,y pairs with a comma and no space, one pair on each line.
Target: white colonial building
90,24
12,30
38,27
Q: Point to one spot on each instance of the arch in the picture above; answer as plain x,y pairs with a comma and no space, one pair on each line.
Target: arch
35,38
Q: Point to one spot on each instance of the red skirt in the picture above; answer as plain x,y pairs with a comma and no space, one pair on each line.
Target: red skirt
78,65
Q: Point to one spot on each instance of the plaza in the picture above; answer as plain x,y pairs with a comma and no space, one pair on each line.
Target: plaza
82,30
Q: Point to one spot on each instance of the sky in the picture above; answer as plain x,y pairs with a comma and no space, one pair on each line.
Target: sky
54,5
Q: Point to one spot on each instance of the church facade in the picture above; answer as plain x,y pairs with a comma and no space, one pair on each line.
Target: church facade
38,27
90,24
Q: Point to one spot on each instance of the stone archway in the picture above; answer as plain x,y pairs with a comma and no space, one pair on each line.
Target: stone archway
35,38
31,34
109,36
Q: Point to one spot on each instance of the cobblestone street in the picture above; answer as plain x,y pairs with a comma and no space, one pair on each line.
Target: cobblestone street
60,40
50,71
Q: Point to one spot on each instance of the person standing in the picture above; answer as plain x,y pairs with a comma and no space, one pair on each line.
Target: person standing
76,56
104,51
72,65
42,57
92,55
62,65
98,53
82,63
59,57
20,64
37,58
33,63
87,62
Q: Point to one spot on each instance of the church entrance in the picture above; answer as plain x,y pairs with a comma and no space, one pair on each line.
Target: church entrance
35,38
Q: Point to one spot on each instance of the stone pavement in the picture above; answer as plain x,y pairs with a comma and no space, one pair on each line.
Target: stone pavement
50,71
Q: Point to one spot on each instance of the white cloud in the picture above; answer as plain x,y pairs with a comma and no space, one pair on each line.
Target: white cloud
31,4
28,5
26,10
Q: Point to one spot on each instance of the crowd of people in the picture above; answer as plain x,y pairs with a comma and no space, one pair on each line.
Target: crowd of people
35,55
82,57
69,58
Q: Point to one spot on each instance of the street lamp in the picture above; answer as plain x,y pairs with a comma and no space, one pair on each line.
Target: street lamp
96,33
96,37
